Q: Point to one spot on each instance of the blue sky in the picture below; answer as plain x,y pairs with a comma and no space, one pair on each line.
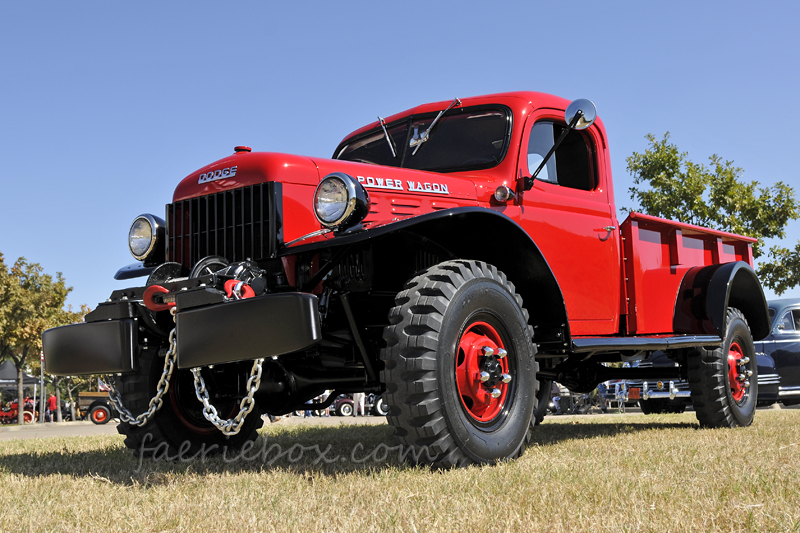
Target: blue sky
105,106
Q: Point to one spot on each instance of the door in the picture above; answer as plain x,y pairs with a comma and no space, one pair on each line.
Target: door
570,216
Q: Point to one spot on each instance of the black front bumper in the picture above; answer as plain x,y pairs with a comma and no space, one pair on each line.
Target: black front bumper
264,326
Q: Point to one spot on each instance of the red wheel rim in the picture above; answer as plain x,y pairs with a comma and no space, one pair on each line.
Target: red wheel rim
475,395
99,415
736,378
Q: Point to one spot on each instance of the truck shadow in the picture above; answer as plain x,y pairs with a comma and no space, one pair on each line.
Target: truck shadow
303,450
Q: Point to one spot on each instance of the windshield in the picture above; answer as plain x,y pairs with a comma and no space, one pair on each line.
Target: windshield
463,139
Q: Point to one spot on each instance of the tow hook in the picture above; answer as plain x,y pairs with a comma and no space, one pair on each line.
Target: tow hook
149,300
238,290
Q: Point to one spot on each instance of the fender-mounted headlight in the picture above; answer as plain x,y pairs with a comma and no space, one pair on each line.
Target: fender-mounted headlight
145,237
340,201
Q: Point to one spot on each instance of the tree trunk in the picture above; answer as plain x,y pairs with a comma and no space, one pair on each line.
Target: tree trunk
20,395
71,402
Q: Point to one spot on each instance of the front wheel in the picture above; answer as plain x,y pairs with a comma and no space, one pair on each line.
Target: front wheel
179,428
459,371
724,382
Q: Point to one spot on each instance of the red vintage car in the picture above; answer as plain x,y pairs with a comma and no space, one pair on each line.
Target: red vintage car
9,414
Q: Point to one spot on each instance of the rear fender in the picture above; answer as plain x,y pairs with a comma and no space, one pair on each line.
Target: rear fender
479,234
707,292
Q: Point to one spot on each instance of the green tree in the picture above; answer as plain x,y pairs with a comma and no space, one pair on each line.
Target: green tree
668,184
30,302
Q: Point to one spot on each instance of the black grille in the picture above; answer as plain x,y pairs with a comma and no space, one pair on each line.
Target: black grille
238,224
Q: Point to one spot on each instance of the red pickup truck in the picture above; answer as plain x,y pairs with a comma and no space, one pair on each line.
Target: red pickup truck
456,257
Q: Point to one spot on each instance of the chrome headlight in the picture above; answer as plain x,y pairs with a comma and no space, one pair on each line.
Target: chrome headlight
340,201
146,233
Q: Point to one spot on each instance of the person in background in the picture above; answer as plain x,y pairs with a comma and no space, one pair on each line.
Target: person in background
601,396
52,407
322,398
555,394
359,398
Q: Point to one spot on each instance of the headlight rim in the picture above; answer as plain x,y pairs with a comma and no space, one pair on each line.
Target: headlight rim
157,231
356,205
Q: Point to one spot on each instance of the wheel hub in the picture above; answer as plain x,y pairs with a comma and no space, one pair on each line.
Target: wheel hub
482,373
738,372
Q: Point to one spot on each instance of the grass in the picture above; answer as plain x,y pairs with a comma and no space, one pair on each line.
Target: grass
610,473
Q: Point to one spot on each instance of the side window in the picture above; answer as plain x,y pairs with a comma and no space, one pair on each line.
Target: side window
571,165
787,322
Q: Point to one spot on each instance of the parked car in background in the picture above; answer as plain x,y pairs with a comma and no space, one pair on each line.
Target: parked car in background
96,407
777,358
778,355
374,405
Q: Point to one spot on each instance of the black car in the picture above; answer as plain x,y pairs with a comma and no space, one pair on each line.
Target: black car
777,356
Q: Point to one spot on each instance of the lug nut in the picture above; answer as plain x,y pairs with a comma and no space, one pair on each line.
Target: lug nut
744,360
506,378
749,373
487,351
495,393
484,377
501,353
746,383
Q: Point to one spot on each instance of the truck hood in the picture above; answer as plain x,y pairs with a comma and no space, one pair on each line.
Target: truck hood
250,168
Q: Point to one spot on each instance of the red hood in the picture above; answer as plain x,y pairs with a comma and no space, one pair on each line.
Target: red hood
249,168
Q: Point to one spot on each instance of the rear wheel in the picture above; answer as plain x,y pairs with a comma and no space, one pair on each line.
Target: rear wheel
459,369
380,408
724,382
179,426
100,414
345,409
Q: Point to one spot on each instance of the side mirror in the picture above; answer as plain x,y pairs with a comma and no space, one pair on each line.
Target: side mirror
580,114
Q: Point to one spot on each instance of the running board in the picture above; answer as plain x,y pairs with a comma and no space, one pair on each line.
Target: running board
628,344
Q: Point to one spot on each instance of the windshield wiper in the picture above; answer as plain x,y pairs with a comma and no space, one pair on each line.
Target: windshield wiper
416,142
388,139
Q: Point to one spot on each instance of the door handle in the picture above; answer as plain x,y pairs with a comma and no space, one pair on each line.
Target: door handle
609,228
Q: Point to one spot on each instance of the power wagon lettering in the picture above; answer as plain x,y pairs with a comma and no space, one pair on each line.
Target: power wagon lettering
397,185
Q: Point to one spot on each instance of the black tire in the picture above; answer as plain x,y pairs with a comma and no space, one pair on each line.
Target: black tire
100,414
441,320
344,409
543,401
718,402
180,418
380,408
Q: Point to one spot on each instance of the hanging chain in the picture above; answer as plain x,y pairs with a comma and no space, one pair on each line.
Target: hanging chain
227,427
163,386
230,426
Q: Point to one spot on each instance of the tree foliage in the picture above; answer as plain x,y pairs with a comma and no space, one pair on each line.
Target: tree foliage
783,271
30,302
668,184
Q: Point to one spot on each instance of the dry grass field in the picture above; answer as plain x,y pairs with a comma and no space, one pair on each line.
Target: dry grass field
592,473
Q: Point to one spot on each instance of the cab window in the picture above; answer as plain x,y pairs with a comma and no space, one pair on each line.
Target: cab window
572,163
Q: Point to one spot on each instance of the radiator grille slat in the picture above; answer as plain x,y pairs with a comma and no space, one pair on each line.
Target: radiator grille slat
237,224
